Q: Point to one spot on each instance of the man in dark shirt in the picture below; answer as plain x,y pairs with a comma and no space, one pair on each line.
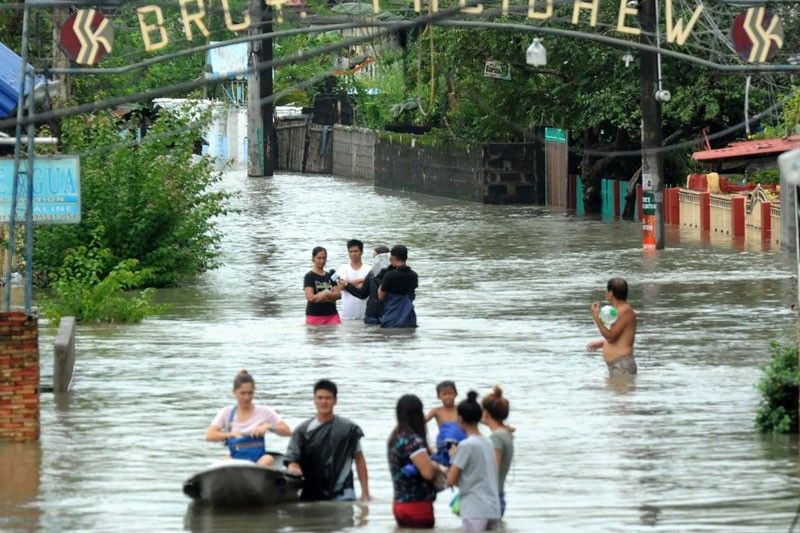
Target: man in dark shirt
323,450
397,291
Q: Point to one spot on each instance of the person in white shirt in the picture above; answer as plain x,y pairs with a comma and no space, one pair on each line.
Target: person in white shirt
354,272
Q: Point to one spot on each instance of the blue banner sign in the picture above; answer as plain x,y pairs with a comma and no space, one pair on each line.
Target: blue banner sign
56,190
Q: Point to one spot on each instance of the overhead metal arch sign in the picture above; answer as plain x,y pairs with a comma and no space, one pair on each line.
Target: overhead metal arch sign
677,29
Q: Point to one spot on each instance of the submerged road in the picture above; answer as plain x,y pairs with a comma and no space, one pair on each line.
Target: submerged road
504,298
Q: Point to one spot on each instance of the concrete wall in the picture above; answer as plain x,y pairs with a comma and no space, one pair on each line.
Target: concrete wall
449,171
493,173
511,176
19,377
353,152
226,135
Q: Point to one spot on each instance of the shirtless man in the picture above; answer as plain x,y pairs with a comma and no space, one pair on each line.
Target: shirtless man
617,342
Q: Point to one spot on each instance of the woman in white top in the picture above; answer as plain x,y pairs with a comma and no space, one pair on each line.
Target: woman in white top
243,426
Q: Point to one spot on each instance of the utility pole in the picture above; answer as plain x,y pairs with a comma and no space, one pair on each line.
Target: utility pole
652,162
63,90
260,152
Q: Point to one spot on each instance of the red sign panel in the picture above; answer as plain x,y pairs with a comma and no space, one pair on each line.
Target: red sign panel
757,35
86,37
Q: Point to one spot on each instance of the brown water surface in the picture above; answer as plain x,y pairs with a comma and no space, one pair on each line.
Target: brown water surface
504,298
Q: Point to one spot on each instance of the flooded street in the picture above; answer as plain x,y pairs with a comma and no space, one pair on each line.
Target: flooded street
504,298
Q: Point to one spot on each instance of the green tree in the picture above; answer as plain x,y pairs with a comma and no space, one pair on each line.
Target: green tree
91,286
156,201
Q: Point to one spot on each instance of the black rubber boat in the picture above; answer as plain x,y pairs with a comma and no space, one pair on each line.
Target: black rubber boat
238,483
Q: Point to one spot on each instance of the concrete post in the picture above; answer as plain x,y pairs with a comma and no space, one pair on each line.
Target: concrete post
259,85
64,354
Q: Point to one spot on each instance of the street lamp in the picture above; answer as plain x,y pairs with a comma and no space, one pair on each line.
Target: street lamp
627,58
536,54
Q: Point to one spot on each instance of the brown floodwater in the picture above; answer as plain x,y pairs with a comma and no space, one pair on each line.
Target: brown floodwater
504,298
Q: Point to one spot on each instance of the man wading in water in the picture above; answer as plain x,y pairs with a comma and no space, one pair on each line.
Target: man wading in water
617,341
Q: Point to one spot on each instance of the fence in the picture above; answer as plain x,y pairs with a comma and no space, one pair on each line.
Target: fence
303,146
353,152
725,215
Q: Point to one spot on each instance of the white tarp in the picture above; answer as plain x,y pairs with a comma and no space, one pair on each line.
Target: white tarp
227,62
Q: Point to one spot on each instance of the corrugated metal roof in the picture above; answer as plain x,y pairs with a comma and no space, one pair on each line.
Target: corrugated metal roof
759,147
9,80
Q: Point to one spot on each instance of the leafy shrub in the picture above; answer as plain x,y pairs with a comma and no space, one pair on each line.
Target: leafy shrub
777,412
83,290
155,200
376,110
769,176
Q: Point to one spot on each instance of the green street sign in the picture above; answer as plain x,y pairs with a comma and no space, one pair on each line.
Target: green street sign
555,135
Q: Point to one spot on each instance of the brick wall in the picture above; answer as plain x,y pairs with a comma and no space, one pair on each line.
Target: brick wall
19,377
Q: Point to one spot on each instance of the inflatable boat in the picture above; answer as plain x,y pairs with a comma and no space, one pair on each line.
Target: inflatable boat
239,483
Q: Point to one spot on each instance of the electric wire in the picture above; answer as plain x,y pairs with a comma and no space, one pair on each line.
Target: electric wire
387,28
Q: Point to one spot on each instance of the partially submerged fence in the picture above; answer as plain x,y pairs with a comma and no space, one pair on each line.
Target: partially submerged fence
754,220
303,146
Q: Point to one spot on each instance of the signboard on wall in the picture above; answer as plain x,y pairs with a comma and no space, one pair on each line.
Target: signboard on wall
497,69
56,190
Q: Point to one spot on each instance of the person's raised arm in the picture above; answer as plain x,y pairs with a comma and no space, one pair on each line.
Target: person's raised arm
283,429
431,414
361,292
215,434
623,321
452,476
363,477
593,346
310,296
336,293
426,467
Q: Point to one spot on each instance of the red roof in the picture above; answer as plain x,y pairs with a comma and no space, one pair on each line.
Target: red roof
750,148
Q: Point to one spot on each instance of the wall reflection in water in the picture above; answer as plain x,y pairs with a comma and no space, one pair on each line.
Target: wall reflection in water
20,464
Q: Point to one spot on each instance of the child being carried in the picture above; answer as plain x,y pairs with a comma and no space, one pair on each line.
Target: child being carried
447,419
